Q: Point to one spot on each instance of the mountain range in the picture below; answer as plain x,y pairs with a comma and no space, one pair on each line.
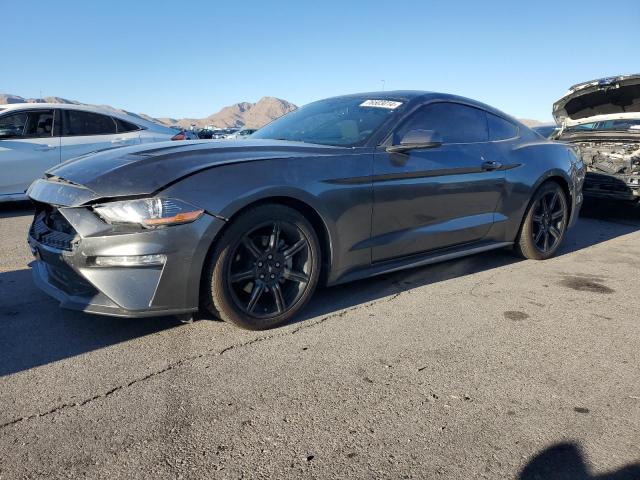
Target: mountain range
243,114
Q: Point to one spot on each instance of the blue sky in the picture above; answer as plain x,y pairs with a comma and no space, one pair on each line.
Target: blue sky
192,58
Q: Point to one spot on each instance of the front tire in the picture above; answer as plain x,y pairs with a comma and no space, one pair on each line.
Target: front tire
264,268
544,224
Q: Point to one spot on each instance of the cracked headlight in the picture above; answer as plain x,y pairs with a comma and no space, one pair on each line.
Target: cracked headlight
149,212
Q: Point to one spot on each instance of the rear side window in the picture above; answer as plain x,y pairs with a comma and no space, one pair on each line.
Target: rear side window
500,129
32,124
454,122
124,126
77,122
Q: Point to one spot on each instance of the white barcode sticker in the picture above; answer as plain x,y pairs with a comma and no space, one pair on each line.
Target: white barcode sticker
390,104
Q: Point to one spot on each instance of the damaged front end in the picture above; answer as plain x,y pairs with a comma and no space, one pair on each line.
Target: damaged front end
602,119
613,169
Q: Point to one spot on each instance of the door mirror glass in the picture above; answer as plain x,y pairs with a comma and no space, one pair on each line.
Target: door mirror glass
417,139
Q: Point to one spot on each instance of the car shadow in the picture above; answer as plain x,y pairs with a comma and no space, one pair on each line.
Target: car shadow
565,461
34,331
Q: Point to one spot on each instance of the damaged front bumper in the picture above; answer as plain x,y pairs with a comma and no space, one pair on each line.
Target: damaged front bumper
613,169
89,265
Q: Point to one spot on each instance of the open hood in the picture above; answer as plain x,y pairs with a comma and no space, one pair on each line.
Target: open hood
610,96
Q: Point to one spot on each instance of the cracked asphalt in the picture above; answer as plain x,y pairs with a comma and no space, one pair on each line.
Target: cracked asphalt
485,367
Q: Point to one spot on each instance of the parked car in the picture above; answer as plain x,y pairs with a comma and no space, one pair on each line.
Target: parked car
338,190
244,133
547,131
205,134
221,133
602,119
37,136
186,135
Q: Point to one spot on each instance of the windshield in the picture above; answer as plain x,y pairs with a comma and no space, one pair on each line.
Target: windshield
607,125
346,121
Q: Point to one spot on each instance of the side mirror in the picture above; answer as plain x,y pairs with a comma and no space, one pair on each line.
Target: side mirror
417,139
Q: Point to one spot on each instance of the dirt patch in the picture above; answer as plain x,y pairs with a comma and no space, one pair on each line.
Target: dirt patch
582,284
515,315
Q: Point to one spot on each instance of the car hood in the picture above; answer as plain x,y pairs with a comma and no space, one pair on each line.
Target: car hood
143,170
610,96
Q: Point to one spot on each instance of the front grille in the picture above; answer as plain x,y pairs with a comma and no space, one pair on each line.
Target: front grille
50,228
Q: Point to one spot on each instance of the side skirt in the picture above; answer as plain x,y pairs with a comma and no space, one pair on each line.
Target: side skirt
419,260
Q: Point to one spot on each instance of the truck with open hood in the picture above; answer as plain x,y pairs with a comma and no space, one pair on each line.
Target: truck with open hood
602,118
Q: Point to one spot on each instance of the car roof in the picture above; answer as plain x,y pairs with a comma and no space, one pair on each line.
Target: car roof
422,96
112,112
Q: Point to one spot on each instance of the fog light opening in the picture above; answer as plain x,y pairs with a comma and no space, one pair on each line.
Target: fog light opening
129,261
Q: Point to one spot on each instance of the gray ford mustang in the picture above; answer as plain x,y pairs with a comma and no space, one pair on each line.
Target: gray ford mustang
338,190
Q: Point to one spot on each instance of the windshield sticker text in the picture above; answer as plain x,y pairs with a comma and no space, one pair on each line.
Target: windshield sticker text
390,104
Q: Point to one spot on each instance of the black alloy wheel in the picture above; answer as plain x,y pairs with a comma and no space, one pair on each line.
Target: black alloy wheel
549,221
545,223
263,269
270,269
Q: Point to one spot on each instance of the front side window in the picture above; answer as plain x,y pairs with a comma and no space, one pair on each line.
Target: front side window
27,124
77,122
13,125
456,123
500,129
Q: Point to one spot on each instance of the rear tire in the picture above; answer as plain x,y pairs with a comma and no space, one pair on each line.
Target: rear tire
263,269
544,224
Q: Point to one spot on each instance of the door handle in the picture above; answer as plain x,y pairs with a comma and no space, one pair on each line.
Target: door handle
490,165
119,140
44,148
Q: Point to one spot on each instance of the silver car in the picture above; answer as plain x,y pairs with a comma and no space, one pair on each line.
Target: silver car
37,136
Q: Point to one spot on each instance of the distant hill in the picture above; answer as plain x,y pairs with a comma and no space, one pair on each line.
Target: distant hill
243,114
533,123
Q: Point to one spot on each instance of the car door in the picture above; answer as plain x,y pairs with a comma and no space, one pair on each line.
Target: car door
84,132
428,199
29,145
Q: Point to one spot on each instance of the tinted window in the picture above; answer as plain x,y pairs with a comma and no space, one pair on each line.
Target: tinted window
28,124
87,123
455,123
126,126
500,129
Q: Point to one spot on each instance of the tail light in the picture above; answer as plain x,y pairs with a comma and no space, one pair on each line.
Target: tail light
179,136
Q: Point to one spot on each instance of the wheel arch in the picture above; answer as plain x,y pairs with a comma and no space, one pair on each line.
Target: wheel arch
559,177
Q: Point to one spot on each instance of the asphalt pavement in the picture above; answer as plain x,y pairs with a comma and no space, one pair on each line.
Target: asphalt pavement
484,367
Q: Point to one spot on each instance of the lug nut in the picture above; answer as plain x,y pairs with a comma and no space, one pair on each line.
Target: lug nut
277,264
259,264
273,276
269,257
262,275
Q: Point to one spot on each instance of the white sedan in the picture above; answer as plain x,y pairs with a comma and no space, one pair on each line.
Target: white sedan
37,136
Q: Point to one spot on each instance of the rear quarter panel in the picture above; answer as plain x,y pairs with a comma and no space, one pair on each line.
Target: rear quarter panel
533,161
